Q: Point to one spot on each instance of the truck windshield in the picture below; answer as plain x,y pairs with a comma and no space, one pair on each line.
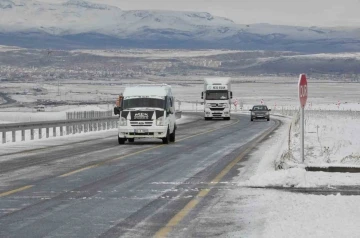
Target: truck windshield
143,102
217,95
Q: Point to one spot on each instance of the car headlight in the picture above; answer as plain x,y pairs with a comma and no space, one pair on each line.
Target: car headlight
160,121
123,121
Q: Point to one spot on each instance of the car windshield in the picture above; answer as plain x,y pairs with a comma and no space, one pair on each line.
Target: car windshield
260,108
217,95
144,102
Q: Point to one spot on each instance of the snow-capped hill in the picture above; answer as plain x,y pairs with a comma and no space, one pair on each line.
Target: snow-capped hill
90,25
87,5
5,4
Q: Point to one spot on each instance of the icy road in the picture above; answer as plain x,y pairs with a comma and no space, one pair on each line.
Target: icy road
97,188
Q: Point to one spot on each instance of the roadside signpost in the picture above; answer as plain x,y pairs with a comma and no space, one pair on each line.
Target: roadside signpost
303,95
235,104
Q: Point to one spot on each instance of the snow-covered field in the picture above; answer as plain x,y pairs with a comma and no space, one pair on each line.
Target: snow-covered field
156,54
331,139
274,91
277,214
263,212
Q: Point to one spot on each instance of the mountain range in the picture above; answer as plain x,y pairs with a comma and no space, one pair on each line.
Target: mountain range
82,24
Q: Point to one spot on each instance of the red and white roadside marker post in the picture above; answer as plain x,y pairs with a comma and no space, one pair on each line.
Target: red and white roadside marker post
235,104
303,95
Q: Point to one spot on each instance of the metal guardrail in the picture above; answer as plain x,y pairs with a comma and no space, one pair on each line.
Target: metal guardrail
71,127
88,114
66,126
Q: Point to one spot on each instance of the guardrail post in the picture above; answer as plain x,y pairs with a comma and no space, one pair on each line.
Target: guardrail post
4,137
23,135
40,133
32,134
13,136
54,131
61,130
47,132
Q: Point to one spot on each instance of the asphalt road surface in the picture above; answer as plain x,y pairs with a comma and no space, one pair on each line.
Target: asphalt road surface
97,188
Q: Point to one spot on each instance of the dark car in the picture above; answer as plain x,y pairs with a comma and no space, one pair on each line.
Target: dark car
260,112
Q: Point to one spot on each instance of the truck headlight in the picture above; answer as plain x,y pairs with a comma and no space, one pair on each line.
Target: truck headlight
160,121
123,121
207,105
226,105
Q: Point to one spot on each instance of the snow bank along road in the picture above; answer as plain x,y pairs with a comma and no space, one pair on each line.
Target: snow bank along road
97,188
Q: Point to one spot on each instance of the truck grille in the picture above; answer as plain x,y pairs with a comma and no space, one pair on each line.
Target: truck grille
217,109
141,123
217,104
217,114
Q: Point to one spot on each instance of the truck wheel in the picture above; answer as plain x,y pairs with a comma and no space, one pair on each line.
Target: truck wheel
227,118
268,119
172,136
121,141
166,139
252,119
131,140
208,118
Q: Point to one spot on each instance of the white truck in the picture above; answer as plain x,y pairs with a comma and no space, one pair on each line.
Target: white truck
147,111
217,97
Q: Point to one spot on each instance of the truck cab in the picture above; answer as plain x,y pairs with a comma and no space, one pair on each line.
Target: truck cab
217,98
147,111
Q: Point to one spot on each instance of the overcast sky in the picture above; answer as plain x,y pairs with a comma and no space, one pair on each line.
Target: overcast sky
285,12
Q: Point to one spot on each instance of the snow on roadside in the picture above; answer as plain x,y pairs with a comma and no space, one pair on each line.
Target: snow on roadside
280,167
278,213
331,138
282,214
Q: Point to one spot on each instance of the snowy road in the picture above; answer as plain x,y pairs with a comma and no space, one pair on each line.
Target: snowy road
97,188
